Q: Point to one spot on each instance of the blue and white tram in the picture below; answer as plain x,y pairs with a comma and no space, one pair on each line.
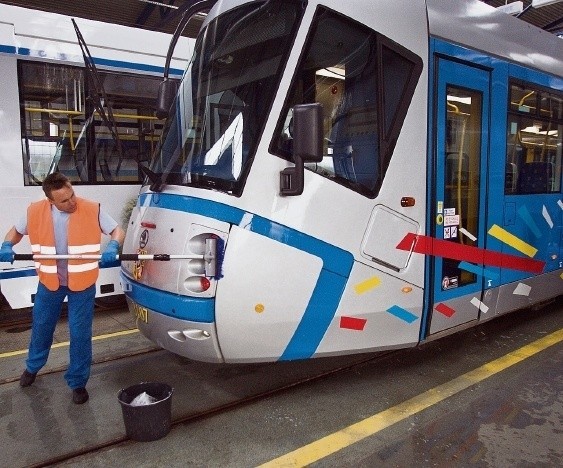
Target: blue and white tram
48,121
377,173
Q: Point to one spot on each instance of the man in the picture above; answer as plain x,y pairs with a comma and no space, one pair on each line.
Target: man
64,224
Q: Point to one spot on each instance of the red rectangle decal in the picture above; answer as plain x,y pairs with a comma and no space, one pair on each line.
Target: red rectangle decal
352,323
444,309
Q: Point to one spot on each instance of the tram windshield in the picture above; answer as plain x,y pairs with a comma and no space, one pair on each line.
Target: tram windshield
224,98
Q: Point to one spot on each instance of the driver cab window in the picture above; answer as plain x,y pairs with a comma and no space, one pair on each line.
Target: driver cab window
365,83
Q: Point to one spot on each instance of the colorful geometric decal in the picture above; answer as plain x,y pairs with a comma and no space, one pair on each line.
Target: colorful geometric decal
546,216
527,218
513,241
440,248
477,303
403,314
366,285
352,323
445,310
479,271
522,290
466,233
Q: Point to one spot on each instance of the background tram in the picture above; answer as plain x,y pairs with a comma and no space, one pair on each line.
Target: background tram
424,199
49,121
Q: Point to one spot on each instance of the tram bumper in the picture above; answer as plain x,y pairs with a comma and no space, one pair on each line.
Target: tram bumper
193,339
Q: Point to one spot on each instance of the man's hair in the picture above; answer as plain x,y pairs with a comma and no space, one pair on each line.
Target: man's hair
54,181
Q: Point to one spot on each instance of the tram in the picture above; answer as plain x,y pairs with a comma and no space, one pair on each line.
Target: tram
49,121
375,174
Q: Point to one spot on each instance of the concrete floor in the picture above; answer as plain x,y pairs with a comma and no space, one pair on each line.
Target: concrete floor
513,417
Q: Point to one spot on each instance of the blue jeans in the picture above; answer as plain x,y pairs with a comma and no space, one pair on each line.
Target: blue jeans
46,313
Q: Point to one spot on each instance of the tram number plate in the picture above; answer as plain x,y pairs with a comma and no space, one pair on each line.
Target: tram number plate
141,313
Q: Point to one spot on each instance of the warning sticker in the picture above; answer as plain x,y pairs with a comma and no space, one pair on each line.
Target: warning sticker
452,220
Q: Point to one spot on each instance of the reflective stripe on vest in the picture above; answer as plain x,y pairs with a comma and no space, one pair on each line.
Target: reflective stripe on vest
84,235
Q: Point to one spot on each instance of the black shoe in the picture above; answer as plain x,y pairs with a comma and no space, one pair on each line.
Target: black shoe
80,395
27,378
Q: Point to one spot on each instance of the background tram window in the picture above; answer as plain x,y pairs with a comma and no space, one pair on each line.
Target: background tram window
534,141
62,131
365,83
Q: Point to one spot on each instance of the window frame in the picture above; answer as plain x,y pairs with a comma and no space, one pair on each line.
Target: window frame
92,173
515,116
385,142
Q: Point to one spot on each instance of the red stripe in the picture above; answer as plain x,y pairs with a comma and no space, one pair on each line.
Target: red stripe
444,309
352,323
441,248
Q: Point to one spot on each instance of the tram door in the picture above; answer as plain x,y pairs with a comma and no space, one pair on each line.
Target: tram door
462,125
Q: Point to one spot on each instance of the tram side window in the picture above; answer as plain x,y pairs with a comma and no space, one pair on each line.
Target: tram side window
534,141
365,83
62,131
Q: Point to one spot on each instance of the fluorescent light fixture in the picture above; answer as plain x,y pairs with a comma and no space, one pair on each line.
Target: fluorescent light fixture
542,3
513,8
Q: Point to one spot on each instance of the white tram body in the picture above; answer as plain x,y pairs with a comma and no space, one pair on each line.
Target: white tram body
45,112
435,203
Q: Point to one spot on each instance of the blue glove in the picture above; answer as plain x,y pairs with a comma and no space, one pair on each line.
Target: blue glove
6,252
108,257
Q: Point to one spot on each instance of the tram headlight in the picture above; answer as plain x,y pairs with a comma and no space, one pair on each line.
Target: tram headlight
197,284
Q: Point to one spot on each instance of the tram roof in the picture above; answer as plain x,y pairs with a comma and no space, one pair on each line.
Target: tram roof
163,15
499,34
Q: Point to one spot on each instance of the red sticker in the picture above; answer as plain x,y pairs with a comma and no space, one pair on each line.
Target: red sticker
352,323
444,309
440,248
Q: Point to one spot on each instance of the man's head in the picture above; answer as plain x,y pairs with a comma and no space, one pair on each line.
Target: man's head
59,192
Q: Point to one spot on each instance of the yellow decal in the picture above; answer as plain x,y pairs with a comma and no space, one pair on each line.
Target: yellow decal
138,265
259,308
366,285
141,313
513,241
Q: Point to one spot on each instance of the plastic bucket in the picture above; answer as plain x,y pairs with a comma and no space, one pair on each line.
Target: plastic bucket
147,422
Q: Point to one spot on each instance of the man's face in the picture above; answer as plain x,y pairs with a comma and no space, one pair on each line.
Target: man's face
64,199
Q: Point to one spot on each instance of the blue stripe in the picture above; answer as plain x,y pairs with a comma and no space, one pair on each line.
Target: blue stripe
527,218
401,313
173,305
135,66
317,317
7,49
9,274
98,61
478,270
193,205
337,264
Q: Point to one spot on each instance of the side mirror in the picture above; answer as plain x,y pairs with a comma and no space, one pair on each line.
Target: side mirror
166,92
307,146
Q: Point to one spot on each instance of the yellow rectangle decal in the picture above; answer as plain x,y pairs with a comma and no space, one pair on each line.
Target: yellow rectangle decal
366,285
513,241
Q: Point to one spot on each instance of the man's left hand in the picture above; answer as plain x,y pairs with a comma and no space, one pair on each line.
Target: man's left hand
109,256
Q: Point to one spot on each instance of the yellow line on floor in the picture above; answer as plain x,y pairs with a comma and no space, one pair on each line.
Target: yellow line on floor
66,343
339,440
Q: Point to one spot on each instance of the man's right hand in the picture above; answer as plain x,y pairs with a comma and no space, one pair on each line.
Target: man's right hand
6,252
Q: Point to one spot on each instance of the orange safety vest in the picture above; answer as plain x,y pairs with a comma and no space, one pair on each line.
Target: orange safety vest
84,235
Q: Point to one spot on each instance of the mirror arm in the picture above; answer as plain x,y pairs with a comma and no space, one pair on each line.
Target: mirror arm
292,179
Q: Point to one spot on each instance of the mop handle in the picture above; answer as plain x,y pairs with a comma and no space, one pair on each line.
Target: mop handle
125,257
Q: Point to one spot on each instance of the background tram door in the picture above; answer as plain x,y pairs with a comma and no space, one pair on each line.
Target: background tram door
461,159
